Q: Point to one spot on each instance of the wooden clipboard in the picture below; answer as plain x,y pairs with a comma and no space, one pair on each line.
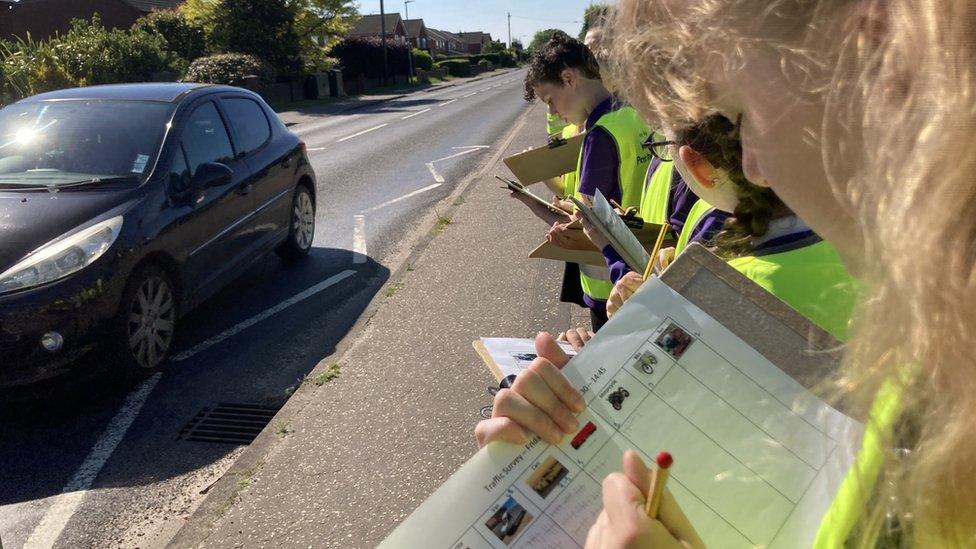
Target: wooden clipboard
554,160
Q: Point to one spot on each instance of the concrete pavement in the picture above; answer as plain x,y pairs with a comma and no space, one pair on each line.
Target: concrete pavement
354,456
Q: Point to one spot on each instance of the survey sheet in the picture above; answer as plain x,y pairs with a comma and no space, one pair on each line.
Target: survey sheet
757,457
512,355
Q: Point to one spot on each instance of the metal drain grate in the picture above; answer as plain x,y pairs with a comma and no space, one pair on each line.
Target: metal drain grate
228,423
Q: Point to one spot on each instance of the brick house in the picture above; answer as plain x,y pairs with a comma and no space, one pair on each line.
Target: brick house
475,42
445,43
45,18
417,33
370,26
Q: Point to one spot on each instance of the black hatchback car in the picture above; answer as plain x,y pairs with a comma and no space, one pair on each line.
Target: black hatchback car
123,207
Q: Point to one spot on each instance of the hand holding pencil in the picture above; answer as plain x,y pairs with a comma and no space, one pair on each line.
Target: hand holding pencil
624,521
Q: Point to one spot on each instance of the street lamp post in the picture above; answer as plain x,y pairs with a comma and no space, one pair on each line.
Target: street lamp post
406,13
386,65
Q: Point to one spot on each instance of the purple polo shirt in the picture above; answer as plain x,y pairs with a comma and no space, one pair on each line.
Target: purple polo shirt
600,168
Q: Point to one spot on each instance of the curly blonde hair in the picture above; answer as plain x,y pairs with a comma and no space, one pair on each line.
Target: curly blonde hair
902,75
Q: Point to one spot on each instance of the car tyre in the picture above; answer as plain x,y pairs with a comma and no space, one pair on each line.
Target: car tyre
301,226
147,319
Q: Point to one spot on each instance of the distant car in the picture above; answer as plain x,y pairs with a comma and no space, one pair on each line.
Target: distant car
122,207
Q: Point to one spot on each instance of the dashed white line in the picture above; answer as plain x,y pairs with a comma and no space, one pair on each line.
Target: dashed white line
331,281
315,149
447,102
359,240
469,95
47,532
362,132
404,197
415,114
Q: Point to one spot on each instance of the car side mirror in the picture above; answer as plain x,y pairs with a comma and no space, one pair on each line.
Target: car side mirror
211,174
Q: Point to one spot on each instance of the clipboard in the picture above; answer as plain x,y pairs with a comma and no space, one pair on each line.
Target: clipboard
613,228
554,160
646,235
517,187
482,351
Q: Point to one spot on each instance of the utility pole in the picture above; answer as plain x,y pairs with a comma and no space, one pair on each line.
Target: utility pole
406,13
509,30
386,64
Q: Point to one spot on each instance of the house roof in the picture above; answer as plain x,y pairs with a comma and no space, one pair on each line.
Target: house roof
149,5
447,35
413,27
370,25
475,37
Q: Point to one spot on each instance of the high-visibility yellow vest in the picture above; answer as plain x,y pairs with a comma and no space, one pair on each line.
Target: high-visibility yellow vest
554,124
629,132
811,279
570,180
698,212
858,487
653,206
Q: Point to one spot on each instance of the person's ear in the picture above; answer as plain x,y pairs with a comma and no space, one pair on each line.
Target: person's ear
568,78
701,169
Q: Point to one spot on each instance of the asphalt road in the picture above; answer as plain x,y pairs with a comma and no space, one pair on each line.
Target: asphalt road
91,460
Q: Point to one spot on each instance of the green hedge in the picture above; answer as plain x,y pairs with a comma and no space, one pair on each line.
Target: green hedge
507,58
457,67
228,68
422,60
493,58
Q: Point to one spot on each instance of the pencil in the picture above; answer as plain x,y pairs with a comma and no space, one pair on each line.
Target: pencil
657,249
656,490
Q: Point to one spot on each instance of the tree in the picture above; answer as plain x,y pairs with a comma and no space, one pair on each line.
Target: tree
200,14
495,46
181,37
320,24
541,38
592,16
263,28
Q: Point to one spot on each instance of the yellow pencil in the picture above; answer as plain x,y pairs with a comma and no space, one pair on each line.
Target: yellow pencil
656,490
657,250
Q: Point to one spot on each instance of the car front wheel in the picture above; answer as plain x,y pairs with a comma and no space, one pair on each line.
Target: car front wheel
301,226
148,316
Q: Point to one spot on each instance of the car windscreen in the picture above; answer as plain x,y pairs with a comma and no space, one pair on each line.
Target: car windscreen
51,143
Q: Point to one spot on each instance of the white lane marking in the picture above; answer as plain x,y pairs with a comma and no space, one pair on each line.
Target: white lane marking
470,149
469,95
433,171
315,149
447,102
331,281
362,132
359,240
415,114
47,532
404,197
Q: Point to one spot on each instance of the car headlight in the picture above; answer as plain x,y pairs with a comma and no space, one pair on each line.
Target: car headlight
60,258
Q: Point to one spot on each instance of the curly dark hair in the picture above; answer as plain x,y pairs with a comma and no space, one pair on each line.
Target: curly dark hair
717,139
561,52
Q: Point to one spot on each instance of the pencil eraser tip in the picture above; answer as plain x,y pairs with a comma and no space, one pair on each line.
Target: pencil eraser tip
664,460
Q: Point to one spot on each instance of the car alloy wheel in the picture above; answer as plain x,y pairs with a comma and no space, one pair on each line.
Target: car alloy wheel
303,220
151,321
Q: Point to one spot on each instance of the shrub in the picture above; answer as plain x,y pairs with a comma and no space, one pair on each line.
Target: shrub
507,58
457,67
493,58
364,57
262,28
484,63
422,60
228,68
180,37
90,54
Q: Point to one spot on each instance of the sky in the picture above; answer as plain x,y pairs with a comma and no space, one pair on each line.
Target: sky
528,16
